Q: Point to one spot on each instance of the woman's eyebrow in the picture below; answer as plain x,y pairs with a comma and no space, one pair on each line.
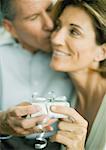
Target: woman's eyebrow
75,25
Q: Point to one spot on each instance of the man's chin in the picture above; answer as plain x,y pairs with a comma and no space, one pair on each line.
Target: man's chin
47,49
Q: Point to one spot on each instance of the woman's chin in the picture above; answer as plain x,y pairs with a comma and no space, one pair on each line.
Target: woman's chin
57,67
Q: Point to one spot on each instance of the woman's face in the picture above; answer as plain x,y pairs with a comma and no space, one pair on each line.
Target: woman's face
73,41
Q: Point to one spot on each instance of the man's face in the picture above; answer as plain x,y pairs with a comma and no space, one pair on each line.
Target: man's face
32,24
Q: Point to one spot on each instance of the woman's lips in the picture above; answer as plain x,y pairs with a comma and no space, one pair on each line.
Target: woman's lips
60,53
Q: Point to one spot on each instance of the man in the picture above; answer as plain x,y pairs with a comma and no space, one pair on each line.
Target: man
24,69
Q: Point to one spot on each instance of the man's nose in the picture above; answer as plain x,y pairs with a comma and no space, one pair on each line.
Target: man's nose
48,22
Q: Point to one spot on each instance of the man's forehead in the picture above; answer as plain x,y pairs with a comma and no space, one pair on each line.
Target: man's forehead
33,5
52,1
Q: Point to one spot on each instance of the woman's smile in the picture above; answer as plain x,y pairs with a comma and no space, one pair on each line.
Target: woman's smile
60,53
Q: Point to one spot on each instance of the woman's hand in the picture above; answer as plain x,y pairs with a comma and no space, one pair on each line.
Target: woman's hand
72,130
14,120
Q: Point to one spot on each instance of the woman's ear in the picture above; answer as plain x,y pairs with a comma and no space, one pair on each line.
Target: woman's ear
9,27
100,53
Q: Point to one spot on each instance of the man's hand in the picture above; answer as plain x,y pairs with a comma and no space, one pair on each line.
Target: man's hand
15,122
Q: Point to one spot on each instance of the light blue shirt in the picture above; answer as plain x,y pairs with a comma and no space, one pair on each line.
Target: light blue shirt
23,73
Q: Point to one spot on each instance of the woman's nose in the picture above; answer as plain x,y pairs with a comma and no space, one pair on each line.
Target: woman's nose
58,37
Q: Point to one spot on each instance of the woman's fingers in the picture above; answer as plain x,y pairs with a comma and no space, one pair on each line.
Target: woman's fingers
72,127
65,139
71,140
61,139
71,113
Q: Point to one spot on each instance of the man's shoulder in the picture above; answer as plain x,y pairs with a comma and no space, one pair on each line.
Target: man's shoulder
11,52
7,46
5,49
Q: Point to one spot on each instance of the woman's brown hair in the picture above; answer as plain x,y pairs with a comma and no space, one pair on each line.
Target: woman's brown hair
97,10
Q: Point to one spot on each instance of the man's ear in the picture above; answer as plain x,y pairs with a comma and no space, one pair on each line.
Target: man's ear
101,53
9,27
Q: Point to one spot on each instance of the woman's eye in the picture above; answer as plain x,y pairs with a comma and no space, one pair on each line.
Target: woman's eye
74,32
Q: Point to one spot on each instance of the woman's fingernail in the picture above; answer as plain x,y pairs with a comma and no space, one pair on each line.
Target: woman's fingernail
53,108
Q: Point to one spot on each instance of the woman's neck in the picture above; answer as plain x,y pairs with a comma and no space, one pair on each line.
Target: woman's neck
87,83
90,88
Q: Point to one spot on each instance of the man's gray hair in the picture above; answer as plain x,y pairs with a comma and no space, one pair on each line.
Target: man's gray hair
7,9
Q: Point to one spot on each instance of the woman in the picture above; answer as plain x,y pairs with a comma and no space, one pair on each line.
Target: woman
79,48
